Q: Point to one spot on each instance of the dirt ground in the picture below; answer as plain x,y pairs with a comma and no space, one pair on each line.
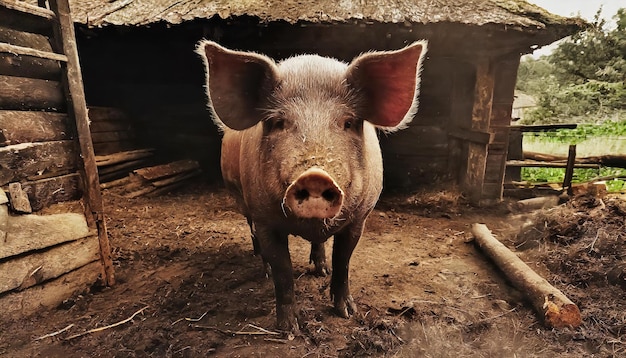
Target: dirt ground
187,276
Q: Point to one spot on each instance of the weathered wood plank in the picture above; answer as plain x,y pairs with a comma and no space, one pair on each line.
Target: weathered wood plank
19,199
111,159
30,270
473,178
74,91
17,305
124,166
494,169
30,126
20,161
34,232
25,39
505,77
31,67
23,16
45,192
27,93
541,164
545,127
472,136
167,170
4,220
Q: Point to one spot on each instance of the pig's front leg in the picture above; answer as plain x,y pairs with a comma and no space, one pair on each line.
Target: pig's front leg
343,245
318,258
275,252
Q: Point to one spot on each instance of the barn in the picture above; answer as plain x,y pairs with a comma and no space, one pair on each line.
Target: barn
138,56
143,84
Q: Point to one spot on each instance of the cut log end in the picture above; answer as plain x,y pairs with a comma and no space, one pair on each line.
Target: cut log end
558,314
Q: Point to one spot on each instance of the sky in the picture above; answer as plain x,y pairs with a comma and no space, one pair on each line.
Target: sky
585,8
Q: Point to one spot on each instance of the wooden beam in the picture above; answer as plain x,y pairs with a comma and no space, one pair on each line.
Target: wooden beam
505,77
21,161
35,232
27,51
116,158
24,39
30,67
30,126
29,270
474,176
471,136
545,127
23,16
17,93
569,170
542,164
19,199
17,305
45,192
66,43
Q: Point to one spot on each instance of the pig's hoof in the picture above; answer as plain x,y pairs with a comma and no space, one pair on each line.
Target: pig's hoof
345,307
321,269
267,268
287,319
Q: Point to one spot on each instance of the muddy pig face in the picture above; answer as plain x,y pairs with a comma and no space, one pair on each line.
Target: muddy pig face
313,119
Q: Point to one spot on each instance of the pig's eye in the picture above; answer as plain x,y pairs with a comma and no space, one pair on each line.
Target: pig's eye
278,124
275,124
347,124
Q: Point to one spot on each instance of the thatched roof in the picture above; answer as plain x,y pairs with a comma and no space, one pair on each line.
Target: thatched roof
515,13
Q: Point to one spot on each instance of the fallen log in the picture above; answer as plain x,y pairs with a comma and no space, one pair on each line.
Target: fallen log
555,309
542,202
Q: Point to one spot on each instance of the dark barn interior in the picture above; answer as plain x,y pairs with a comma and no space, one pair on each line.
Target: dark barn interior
147,67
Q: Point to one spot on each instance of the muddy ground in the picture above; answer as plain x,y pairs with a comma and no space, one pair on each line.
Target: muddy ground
184,262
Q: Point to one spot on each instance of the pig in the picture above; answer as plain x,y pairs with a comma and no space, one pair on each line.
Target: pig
300,151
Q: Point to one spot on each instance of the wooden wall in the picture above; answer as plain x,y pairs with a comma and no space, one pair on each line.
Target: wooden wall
50,245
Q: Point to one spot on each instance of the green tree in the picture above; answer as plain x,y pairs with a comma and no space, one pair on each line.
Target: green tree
584,79
593,54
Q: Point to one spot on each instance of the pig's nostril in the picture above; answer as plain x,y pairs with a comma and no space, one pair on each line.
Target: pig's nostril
302,195
330,195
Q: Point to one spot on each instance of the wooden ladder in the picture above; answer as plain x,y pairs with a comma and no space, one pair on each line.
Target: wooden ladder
52,18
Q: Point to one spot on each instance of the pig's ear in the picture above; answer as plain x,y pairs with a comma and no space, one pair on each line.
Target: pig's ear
238,84
389,85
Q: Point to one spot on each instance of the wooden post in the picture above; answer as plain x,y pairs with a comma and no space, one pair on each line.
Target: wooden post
77,108
481,114
569,170
505,77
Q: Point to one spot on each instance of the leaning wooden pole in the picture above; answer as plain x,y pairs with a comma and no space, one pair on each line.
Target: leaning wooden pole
555,308
77,108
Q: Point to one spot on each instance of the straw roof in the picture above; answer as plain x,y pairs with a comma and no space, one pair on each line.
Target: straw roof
514,13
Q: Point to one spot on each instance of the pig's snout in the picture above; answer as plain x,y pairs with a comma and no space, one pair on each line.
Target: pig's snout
314,195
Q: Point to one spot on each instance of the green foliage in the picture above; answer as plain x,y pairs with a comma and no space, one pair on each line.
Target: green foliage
557,175
584,77
585,131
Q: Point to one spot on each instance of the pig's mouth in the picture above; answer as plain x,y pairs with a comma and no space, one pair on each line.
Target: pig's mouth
314,194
